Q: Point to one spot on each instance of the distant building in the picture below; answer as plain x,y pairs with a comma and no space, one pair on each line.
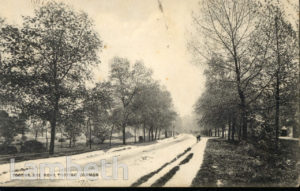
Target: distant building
287,131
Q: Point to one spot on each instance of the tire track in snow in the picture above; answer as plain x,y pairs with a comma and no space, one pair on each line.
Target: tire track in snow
188,171
164,179
146,177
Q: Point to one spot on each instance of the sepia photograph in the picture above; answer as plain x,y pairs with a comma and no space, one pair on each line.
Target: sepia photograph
149,93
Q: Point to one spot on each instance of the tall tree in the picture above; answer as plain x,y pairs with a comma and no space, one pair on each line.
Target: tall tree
49,58
98,106
73,123
267,65
153,109
229,24
283,66
217,106
126,81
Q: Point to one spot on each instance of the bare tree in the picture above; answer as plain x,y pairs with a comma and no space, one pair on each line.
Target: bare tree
228,26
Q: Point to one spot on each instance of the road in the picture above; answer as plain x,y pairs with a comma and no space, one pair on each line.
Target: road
148,164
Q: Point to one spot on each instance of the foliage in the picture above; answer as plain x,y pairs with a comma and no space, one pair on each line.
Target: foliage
8,149
48,59
9,127
252,80
98,106
72,123
32,146
45,66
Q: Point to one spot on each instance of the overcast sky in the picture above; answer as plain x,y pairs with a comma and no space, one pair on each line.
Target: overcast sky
138,30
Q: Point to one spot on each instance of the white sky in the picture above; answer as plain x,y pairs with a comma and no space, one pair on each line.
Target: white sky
136,29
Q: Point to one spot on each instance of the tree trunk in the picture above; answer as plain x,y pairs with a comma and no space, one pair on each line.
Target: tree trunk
70,143
74,141
166,134
277,99
111,132
229,129
87,140
138,132
61,137
149,138
159,134
144,126
52,138
215,132
46,138
240,131
124,133
223,128
218,132
173,131
251,135
233,129
36,134
134,134
152,134
90,139
277,93
296,128
155,137
244,118
240,91
53,125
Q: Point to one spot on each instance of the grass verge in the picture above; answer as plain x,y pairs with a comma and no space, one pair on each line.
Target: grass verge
230,165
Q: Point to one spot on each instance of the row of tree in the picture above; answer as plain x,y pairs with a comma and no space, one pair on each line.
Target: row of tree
44,68
252,70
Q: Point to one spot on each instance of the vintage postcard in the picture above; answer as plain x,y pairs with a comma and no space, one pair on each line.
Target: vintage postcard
149,93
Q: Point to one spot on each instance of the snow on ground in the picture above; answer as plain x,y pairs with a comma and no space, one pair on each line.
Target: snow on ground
187,172
141,159
164,171
290,138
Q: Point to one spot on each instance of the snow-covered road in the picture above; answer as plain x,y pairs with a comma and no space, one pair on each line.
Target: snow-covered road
188,171
141,159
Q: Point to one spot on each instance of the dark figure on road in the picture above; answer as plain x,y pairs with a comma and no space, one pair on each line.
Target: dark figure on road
198,138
